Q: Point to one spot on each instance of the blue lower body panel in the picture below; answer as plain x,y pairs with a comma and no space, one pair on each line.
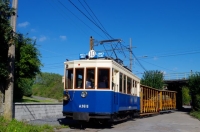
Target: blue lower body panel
98,104
95,102
128,102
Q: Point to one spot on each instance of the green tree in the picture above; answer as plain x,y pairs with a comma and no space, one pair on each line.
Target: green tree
194,85
153,79
27,66
27,63
6,39
48,85
186,95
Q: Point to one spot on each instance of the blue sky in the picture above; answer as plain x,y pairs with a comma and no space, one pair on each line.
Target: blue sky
167,32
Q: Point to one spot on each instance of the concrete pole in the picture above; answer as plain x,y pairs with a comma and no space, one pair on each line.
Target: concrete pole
8,110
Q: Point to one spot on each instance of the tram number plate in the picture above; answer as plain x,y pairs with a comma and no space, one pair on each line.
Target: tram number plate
83,106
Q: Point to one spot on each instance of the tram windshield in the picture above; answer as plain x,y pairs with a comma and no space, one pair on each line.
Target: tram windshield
79,77
90,78
87,78
103,78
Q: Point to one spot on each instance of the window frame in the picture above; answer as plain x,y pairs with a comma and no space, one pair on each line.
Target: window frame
121,77
108,77
86,76
129,79
83,76
67,84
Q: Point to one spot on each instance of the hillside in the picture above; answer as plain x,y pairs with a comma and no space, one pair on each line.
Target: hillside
48,85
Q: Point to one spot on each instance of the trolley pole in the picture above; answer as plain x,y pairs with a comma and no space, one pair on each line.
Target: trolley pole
8,110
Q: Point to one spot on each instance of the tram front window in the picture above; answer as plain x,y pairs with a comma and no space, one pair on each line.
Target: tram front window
103,78
90,78
79,78
69,79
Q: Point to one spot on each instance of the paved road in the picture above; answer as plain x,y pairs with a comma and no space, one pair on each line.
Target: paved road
172,122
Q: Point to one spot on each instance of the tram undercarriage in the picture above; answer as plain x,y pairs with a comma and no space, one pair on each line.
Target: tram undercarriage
102,118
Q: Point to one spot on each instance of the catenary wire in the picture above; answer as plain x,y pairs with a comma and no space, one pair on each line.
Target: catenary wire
89,18
79,18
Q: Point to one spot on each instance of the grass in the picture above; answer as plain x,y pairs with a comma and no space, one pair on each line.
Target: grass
195,114
54,91
19,126
29,99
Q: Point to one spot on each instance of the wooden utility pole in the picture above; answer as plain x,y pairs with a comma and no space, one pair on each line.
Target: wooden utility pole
8,109
91,43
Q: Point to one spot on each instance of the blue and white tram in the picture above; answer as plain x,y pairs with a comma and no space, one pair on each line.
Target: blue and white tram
99,88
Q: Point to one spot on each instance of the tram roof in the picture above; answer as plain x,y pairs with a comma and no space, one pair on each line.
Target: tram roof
93,57
102,62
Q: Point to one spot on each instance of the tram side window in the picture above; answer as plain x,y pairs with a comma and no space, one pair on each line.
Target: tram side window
120,82
90,78
113,85
69,79
134,87
124,90
79,77
103,78
128,85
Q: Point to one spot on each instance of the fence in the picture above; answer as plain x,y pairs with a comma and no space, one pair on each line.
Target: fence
177,76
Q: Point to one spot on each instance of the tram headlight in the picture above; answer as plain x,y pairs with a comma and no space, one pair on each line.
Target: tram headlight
66,96
84,94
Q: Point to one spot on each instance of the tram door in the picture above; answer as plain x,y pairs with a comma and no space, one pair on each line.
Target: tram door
115,75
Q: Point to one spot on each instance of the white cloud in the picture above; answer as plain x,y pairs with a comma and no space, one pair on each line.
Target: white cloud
34,37
24,24
63,37
155,58
164,72
43,38
33,30
175,68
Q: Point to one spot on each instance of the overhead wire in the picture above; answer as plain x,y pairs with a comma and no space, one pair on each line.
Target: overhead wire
95,16
103,30
87,11
64,13
157,56
138,60
89,18
158,66
92,17
194,52
78,18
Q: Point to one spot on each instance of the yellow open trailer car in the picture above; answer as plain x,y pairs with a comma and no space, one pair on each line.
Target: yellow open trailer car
154,101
